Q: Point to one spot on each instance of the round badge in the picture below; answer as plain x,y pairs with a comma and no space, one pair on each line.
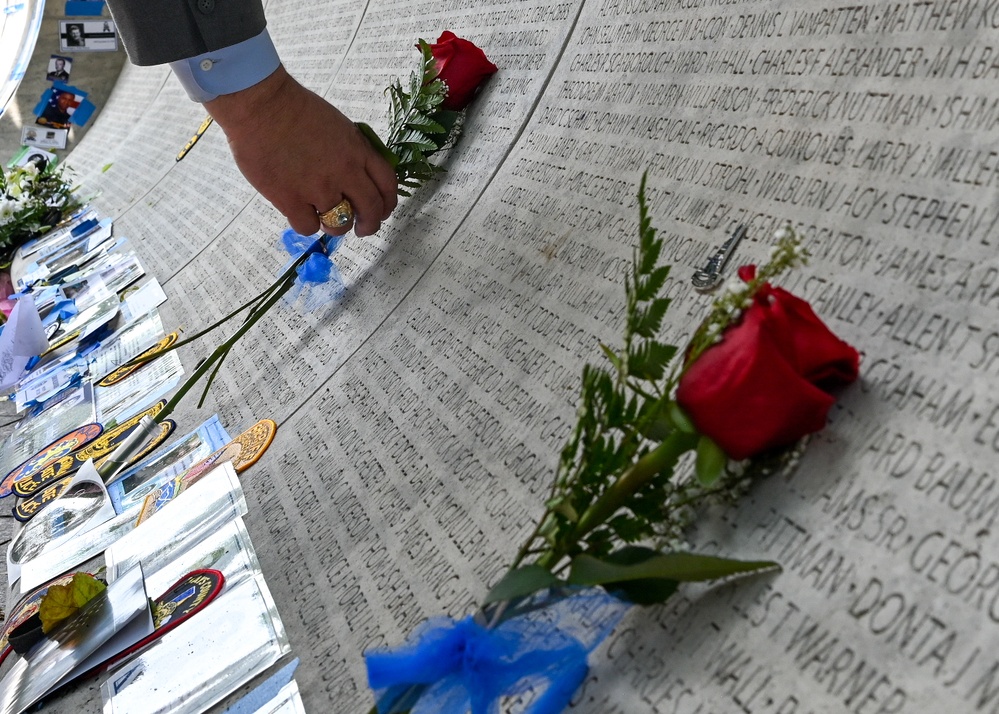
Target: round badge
66,444
27,509
187,596
53,471
112,437
129,367
253,443
166,428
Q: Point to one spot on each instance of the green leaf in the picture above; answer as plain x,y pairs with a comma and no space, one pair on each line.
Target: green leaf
648,321
683,567
611,355
421,122
651,249
523,581
680,419
415,82
628,528
649,287
61,602
447,118
711,461
649,360
644,591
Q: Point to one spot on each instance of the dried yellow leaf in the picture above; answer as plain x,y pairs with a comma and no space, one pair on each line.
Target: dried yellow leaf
63,601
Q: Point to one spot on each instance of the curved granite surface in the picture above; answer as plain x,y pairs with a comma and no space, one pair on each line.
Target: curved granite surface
420,416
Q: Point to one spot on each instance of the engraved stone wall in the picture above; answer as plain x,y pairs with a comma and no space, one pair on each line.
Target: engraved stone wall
421,415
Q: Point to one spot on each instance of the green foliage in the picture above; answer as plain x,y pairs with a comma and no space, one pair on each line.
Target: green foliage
622,418
623,476
645,563
711,461
520,582
418,125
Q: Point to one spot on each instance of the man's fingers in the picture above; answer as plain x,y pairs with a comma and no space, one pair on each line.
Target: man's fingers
384,178
368,206
303,219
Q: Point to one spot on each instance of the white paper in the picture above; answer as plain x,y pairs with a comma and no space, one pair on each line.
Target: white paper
23,337
237,636
100,236
147,298
140,389
194,515
39,390
126,343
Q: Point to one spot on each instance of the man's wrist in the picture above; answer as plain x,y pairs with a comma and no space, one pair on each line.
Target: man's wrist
239,114
228,70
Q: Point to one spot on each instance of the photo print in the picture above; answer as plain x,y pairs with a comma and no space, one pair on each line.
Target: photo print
87,36
59,68
44,138
62,105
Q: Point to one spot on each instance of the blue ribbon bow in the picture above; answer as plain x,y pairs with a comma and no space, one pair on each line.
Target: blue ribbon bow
319,282
466,666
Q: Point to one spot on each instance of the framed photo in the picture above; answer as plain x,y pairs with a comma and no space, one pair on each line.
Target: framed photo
44,137
59,68
87,36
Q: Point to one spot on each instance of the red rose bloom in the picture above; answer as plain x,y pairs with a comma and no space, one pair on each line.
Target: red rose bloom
462,66
763,386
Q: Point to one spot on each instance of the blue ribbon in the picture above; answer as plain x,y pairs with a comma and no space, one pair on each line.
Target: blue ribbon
465,666
63,310
319,282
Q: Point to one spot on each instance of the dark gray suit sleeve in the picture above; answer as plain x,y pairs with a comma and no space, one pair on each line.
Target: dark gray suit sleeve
160,31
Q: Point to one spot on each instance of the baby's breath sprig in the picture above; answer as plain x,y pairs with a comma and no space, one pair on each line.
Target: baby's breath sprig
737,294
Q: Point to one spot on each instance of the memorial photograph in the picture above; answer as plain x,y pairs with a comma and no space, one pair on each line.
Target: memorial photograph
59,69
88,36
598,356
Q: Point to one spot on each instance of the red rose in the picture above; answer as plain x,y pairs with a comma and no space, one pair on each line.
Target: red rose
763,385
462,66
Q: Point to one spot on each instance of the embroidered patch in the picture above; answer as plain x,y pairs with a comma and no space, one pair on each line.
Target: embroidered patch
30,484
58,449
187,596
110,439
27,509
132,365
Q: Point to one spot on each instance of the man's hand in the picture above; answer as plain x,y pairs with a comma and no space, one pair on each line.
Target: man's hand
303,155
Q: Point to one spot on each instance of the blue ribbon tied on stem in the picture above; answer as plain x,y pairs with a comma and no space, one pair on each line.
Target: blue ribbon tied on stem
319,281
465,666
